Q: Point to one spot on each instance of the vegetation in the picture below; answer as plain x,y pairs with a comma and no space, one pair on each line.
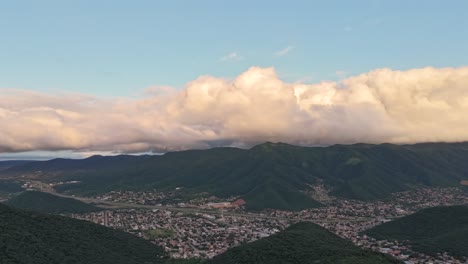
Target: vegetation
49,203
10,187
431,231
29,237
159,233
301,243
268,175
186,261
11,163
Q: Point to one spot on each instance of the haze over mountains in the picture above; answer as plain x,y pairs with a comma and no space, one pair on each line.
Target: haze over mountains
270,175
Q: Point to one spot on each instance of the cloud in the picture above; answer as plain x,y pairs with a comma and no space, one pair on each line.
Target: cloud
233,56
283,52
383,105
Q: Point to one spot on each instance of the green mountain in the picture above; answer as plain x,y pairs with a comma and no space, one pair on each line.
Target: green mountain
301,243
268,175
11,163
10,186
28,237
431,231
49,203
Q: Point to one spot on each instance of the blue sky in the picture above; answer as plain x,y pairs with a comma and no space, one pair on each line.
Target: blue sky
119,48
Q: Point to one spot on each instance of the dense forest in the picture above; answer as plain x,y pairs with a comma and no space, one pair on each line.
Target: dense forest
433,230
301,243
5,164
49,203
270,175
29,237
10,187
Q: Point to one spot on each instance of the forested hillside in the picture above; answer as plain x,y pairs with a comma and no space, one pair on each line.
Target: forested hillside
28,237
301,243
433,230
49,203
268,175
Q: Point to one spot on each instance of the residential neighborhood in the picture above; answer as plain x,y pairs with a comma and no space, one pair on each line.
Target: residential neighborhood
204,228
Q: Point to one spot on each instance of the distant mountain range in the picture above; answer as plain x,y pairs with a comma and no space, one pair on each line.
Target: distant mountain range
301,243
431,231
270,175
29,237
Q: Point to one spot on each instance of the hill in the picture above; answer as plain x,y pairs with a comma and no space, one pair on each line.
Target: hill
270,175
301,243
49,203
431,231
11,163
61,164
8,186
28,237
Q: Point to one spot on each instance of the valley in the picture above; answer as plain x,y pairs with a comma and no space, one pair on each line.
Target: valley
195,198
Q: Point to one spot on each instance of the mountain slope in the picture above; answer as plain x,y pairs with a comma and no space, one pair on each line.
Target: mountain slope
432,230
268,175
28,237
49,203
301,243
10,186
11,163
61,164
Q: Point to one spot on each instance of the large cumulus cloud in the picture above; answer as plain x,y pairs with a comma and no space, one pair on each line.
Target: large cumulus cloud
418,105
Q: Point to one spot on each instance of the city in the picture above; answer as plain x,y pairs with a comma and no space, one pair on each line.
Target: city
195,230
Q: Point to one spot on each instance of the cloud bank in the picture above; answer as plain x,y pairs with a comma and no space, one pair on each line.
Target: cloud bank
383,105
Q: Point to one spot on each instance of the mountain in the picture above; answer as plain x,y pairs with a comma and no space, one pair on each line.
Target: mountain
49,203
433,230
270,175
301,243
60,164
11,163
28,237
9,186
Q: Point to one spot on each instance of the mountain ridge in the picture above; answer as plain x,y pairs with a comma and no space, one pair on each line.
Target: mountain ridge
269,175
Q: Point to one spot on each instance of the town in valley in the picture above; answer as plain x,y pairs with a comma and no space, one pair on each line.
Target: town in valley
206,227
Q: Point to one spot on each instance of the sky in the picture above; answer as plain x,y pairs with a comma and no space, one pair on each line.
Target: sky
80,77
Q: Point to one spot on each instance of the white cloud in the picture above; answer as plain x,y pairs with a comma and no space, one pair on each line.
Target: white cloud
383,105
233,56
284,51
